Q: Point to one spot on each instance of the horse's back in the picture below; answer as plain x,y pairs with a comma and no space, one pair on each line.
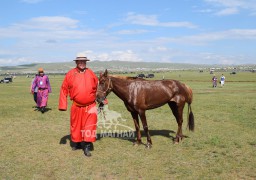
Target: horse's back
171,88
153,90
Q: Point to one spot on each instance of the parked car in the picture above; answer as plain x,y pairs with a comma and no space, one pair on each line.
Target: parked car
141,76
150,76
6,80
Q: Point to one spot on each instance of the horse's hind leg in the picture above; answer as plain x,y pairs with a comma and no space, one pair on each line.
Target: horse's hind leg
137,127
177,111
145,127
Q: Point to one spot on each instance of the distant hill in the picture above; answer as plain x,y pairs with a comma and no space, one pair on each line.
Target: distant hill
114,66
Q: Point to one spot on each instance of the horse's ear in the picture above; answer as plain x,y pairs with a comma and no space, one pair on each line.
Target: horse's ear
106,73
100,74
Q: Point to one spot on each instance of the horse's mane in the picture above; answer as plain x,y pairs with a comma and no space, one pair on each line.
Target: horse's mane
126,77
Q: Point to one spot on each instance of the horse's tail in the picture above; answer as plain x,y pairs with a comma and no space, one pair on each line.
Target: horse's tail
191,123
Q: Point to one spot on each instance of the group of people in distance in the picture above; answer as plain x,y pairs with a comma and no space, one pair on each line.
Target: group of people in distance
215,81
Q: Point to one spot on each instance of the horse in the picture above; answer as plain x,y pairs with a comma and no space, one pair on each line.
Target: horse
141,95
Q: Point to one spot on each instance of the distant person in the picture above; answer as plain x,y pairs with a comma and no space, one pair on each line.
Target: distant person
222,80
81,84
35,91
214,81
41,82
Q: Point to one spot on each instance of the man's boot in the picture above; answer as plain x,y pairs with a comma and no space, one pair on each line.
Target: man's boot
91,148
76,146
87,150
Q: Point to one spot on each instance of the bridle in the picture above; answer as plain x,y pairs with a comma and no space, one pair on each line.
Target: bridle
108,88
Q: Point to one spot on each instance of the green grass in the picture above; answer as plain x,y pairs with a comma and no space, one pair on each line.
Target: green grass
223,145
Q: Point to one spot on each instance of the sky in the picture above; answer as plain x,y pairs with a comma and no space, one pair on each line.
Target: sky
175,31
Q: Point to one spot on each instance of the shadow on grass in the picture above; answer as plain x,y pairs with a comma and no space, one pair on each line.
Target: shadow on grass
65,139
127,136
46,109
130,136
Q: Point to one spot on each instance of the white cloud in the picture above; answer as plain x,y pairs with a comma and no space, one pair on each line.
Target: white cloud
56,39
227,3
201,39
16,61
48,23
87,53
158,49
134,31
227,11
103,57
125,55
205,10
229,7
45,28
149,20
214,58
152,20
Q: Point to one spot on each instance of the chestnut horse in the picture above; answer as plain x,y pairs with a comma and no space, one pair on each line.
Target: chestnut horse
141,95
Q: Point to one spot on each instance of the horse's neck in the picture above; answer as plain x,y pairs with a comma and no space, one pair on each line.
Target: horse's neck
120,87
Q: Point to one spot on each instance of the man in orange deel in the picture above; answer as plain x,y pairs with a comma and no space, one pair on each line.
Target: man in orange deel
80,84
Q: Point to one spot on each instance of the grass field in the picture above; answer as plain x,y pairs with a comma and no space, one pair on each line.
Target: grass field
223,146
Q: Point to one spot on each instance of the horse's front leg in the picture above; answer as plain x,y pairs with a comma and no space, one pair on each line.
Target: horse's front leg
137,127
145,127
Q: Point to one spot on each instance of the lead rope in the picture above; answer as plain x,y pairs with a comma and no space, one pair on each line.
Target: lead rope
102,112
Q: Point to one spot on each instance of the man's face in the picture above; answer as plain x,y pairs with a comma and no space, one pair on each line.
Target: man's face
81,64
41,73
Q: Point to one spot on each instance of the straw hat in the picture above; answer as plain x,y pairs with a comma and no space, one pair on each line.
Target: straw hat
81,57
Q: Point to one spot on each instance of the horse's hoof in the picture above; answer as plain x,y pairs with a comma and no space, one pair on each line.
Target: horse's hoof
148,146
176,140
136,143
